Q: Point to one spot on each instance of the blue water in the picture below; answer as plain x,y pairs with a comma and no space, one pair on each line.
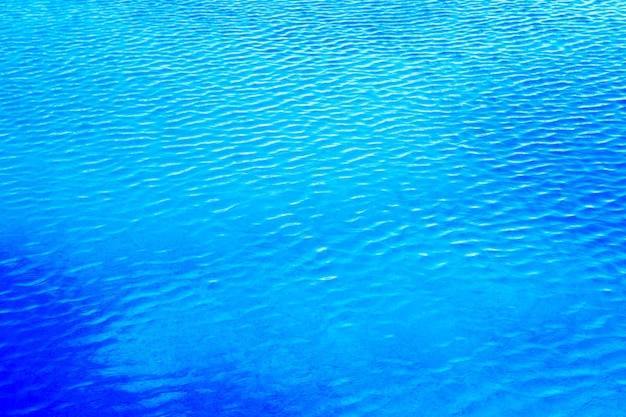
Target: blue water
312,208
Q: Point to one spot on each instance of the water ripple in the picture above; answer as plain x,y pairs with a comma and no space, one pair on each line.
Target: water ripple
311,208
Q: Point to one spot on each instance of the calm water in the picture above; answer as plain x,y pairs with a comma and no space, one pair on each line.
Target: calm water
312,208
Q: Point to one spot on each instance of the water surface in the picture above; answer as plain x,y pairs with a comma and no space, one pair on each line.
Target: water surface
350,208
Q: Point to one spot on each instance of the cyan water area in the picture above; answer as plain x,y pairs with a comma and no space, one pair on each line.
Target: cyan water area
353,208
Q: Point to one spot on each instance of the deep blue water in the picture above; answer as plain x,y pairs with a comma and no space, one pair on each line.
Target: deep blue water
312,208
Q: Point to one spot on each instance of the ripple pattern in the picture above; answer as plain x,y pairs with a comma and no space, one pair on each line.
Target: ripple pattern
355,208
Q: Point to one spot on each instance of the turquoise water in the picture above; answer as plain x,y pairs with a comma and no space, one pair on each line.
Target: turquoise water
321,208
